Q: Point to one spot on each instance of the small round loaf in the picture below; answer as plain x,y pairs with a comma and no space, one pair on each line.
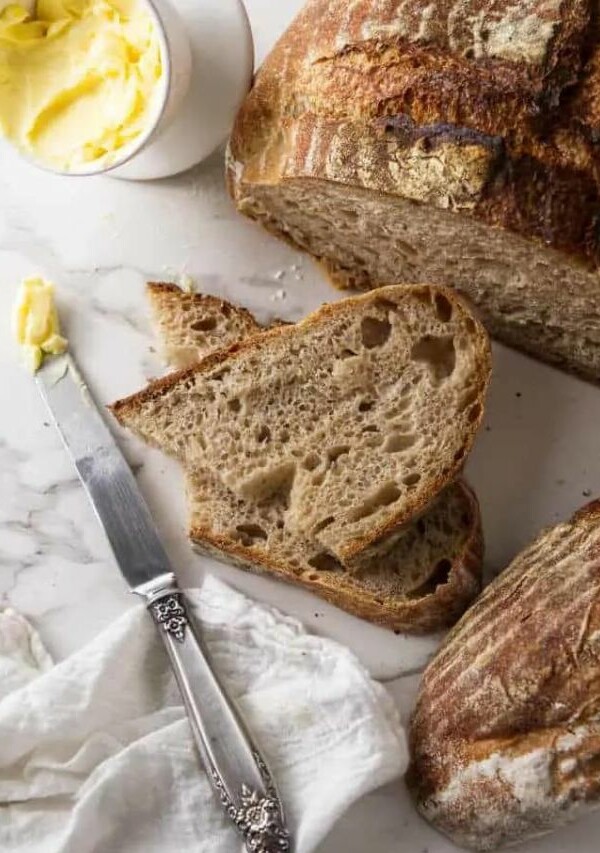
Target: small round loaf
506,733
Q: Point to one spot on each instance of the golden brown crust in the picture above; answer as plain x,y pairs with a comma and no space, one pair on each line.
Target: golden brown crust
513,697
427,612
411,506
435,66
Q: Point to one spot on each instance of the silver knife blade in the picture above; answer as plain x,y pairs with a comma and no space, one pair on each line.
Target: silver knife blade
103,470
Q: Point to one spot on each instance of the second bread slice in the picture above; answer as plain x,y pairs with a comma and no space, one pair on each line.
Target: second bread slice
359,415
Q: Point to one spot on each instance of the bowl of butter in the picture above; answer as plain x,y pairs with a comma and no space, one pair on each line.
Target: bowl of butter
118,86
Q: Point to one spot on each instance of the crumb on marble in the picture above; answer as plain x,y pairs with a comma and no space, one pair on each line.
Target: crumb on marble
186,283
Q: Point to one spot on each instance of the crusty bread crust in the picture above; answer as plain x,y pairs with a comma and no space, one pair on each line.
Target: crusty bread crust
424,613
482,117
506,733
411,505
415,78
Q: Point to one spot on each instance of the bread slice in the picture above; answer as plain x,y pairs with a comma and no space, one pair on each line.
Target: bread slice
191,325
420,580
358,416
448,143
505,738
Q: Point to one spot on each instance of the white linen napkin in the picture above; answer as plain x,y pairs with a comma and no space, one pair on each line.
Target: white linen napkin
96,755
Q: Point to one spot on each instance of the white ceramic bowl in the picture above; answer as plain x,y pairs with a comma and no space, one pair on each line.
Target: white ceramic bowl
208,61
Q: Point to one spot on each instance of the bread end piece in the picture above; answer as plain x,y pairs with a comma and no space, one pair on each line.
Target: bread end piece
192,325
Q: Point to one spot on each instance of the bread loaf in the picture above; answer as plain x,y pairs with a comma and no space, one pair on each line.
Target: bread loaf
505,738
455,143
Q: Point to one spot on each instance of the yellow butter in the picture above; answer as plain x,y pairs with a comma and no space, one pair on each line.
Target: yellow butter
79,80
35,323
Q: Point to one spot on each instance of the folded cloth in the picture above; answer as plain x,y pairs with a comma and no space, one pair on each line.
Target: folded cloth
96,753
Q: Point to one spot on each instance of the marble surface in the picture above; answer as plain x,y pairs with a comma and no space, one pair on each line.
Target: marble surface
100,239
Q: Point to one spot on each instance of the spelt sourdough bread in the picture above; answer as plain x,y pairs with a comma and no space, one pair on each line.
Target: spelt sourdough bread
455,143
421,578
359,415
191,325
506,733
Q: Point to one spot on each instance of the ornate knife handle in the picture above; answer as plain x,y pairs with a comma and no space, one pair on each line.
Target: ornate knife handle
233,763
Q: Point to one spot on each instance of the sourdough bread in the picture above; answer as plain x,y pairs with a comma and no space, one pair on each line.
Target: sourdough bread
358,416
449,143
505,737
191,325
421,578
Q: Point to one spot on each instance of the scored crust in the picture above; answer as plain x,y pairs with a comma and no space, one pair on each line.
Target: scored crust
505,738
402,65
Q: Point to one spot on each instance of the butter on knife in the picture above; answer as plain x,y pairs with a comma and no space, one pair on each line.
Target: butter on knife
35,323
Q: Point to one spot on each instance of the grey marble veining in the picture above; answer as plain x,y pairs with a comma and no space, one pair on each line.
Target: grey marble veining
100,239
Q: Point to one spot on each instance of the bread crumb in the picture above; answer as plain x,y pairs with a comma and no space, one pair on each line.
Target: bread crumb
186,283
279,296
279,275
587,493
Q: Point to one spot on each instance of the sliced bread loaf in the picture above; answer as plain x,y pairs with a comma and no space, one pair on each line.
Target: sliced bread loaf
454,143
506,734
358,416
421,578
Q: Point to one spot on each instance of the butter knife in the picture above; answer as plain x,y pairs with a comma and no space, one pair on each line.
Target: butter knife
233,763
